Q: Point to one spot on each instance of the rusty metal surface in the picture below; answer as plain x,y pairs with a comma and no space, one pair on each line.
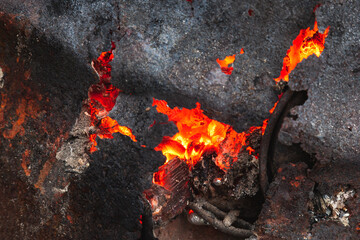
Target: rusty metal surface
285,211
265,156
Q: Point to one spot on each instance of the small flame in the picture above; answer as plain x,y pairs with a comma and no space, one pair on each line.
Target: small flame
224,64
102,98
307,43
273,108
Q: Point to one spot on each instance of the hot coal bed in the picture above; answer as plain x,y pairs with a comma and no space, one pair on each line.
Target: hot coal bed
179,119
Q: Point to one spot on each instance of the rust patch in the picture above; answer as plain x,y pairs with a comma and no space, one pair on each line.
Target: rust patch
26,162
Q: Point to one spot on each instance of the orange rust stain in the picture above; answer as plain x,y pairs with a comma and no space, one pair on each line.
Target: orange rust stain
44,172
17,126
307,43
27,106
26,162
27,74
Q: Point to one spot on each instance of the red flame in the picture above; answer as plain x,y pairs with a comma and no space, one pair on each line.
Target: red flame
307,43
197,135
102,98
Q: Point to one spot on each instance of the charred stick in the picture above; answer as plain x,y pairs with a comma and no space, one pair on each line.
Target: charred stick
223,215
213,209
231,217
264,160
218,224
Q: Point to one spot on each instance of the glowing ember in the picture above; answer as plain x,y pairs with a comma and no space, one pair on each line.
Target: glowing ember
273,108
102,98
224,64
307,43
199,134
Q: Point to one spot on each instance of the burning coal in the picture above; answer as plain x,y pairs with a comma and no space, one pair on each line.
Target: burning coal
229,60
307,43
221,162
102,98
198,134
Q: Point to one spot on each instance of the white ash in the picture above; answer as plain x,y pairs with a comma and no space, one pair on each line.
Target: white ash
74,151
337,205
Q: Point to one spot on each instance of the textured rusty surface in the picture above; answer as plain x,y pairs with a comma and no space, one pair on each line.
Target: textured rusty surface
285,211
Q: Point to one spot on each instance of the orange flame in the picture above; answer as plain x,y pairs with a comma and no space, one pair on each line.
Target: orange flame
224,64
199,134
102,98
307,43
273,108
